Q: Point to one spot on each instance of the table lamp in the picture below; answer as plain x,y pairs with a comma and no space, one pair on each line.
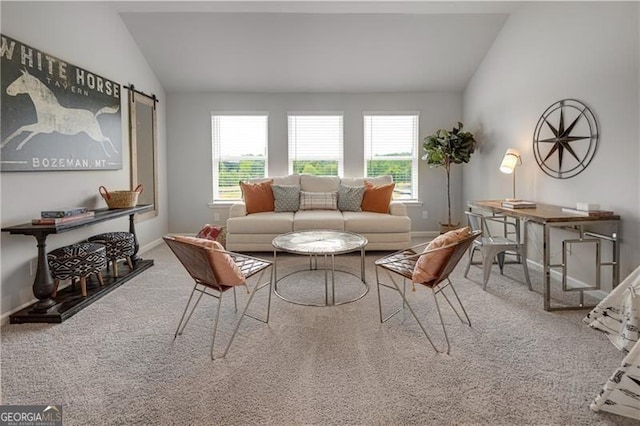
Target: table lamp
508,165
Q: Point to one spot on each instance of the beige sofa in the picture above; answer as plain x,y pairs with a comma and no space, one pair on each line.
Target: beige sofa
255,231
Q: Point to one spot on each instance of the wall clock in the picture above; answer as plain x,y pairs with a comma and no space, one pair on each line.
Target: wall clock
565,139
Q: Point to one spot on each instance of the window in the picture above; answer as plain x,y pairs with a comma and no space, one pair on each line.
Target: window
239,152
391,148
315,144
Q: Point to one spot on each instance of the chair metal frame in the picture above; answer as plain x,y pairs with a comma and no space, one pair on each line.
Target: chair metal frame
496,247
195,260
403,262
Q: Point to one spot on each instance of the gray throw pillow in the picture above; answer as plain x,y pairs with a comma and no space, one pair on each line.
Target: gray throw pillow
350,198
286,198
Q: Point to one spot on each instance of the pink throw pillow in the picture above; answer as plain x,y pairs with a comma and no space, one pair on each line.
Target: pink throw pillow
214,233
429,265
224,268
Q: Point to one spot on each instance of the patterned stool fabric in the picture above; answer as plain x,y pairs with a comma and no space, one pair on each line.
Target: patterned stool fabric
120,245
77,260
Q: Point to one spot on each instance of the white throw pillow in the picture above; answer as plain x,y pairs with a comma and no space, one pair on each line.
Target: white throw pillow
311,183
318,200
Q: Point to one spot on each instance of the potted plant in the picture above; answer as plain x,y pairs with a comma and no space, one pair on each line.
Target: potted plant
444,148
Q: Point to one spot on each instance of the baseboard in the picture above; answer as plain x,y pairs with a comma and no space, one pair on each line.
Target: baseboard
4,319
424,234
150,245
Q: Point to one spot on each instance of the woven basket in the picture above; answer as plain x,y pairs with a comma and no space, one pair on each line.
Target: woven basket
120,199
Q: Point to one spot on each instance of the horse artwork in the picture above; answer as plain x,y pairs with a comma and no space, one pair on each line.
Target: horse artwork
56,116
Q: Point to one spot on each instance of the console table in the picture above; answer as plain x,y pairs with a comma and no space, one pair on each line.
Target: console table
66,304
550,216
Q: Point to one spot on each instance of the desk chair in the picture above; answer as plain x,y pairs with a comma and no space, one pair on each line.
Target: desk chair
491,247
441,259
215,271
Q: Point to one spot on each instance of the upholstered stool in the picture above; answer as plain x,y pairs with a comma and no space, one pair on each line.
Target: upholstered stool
120,245
77,260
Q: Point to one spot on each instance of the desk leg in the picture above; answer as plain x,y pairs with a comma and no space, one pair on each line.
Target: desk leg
136,245
546,269
42,285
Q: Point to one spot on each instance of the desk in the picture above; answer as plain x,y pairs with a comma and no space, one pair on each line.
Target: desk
549,216
42,311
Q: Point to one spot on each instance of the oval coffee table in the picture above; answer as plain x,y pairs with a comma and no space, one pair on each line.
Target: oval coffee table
320,242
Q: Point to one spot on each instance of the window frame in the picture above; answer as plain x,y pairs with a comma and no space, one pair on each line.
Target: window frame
290,159
369,156
216,156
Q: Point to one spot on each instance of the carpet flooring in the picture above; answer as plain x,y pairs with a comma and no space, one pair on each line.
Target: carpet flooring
116,362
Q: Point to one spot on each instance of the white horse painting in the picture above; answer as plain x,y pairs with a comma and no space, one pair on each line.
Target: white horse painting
53,117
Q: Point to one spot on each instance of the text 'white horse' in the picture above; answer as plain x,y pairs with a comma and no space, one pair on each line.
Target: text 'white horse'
53,117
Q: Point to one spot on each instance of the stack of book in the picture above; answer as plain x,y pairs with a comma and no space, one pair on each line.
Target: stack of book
64,215
519,204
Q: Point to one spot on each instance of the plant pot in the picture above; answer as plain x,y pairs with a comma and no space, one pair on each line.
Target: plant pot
446,227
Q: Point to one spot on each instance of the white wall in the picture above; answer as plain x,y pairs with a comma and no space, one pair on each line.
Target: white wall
92,36
189,138
547,52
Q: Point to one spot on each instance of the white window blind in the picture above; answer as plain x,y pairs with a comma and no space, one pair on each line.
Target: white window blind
239,152
391,147
315,144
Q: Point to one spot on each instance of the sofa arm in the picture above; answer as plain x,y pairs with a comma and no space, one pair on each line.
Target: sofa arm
238,209
397,208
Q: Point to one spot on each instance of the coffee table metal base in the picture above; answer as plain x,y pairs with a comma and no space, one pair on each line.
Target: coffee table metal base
329,276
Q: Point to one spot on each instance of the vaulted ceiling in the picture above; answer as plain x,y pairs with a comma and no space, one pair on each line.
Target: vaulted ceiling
307,46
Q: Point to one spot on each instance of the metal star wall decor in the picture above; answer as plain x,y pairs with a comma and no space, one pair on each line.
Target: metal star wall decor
562,151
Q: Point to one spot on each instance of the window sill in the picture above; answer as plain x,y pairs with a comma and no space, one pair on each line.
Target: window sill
222,204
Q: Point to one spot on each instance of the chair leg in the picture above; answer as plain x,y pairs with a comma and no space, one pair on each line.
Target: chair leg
235,300
455,293
444,329
396,288
129,263
424,330
83,286
501,262
100,279
379,300
56,283
471,252
487,262
215,324
114,266
185,311
526,271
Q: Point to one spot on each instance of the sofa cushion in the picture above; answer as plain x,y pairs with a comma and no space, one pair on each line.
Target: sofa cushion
286,198
318,219
429,265
359,181
318,200
292,179
261,223
311,183
369,222
350,198
258,197
377,197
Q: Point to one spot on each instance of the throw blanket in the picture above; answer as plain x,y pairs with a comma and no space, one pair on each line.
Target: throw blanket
618,315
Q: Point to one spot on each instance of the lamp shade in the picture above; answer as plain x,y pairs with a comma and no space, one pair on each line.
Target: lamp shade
510,161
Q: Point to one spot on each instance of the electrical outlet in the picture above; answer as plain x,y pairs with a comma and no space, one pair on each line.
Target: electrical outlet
216,217
425,214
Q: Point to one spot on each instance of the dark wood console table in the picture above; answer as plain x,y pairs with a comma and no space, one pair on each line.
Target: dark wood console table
67,302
